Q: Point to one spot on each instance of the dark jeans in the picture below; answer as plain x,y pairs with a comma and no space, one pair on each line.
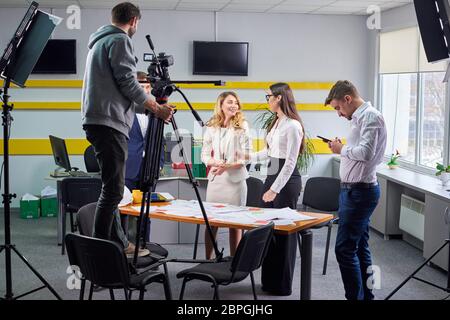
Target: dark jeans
356,205
111,151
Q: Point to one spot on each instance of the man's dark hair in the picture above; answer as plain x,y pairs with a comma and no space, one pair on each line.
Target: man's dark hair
341,89
124,12
141,76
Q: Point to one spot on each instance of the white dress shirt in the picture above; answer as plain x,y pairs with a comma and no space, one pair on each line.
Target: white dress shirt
283,141
143,122
365,146
225,144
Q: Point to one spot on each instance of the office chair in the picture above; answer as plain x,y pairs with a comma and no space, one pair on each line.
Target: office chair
75,193
103,263
249,256
255,192
90,161
85,222
322,194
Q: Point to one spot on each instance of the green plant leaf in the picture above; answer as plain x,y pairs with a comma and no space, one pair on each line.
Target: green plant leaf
304,160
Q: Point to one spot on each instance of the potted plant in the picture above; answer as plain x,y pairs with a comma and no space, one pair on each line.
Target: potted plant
305,159
392,164
443,173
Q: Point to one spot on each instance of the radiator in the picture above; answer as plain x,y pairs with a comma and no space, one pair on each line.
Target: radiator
412,218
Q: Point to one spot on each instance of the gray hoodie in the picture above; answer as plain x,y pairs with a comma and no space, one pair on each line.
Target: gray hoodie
110,88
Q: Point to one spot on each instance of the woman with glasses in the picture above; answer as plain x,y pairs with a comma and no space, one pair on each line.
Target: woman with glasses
285,141
226,135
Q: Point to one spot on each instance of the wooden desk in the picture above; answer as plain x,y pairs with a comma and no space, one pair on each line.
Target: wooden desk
304,234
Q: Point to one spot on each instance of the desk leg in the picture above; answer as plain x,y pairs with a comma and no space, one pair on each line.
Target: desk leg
60,212
306,264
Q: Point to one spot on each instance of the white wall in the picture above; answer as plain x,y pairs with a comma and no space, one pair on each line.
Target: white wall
283,47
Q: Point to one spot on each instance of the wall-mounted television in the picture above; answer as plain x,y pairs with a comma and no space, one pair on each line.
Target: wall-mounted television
59,56
221,58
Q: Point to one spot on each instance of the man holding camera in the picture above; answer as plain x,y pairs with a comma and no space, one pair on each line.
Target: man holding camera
110,93
360,191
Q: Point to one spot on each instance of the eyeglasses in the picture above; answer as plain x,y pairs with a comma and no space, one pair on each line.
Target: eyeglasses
268,96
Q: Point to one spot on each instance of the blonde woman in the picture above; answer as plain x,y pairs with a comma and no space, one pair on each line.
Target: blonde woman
226,135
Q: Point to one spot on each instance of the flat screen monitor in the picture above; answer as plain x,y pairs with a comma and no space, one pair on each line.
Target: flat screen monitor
221,58
58,57
60,154
433,20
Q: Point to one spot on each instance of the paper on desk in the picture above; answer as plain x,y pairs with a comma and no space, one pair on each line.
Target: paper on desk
283,214
238,217
283,222
152,208
127,197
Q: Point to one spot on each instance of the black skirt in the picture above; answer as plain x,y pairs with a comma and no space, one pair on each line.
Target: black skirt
277,270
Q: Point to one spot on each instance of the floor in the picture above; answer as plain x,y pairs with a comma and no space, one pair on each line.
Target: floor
36,240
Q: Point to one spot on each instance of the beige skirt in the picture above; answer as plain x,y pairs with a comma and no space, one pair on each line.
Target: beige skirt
224,191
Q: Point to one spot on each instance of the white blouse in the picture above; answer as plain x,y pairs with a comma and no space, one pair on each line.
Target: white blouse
225,144
283,142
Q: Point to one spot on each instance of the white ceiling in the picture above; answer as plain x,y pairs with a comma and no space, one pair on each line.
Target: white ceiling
358,7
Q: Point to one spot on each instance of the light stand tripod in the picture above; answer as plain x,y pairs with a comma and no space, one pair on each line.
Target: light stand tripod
413,275
162,88
16,64
7,197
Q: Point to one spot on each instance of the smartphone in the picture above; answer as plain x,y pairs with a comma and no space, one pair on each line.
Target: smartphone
324,139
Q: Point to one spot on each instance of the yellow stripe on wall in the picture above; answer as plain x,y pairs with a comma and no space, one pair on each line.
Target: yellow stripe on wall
228,85
320,147
29,147
47,105
251,106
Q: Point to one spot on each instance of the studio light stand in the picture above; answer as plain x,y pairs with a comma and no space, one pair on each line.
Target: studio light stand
413,275
162,88
12,67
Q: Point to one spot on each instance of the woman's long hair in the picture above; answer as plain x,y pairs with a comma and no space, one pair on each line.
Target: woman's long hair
288,107
218,118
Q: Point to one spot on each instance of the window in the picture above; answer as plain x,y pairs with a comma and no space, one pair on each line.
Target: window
433,119
398,98
412,98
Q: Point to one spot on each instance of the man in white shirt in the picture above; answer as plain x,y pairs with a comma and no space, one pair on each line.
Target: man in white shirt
359,187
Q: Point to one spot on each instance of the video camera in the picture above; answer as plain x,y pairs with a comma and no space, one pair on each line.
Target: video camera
158,75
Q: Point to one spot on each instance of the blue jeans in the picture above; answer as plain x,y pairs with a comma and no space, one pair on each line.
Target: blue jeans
356,205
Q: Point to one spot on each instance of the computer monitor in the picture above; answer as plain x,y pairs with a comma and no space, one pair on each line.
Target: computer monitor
60,154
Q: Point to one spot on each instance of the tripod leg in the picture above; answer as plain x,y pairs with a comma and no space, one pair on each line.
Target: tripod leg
197,230
37,274
417,270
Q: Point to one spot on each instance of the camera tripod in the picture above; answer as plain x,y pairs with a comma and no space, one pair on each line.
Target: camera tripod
413,275
162,88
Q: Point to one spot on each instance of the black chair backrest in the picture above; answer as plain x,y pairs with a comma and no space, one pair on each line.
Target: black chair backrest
255,192
85,219
252,249
322,193
77,192
90,161
102,262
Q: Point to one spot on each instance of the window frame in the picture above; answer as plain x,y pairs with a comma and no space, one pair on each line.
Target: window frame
415,166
